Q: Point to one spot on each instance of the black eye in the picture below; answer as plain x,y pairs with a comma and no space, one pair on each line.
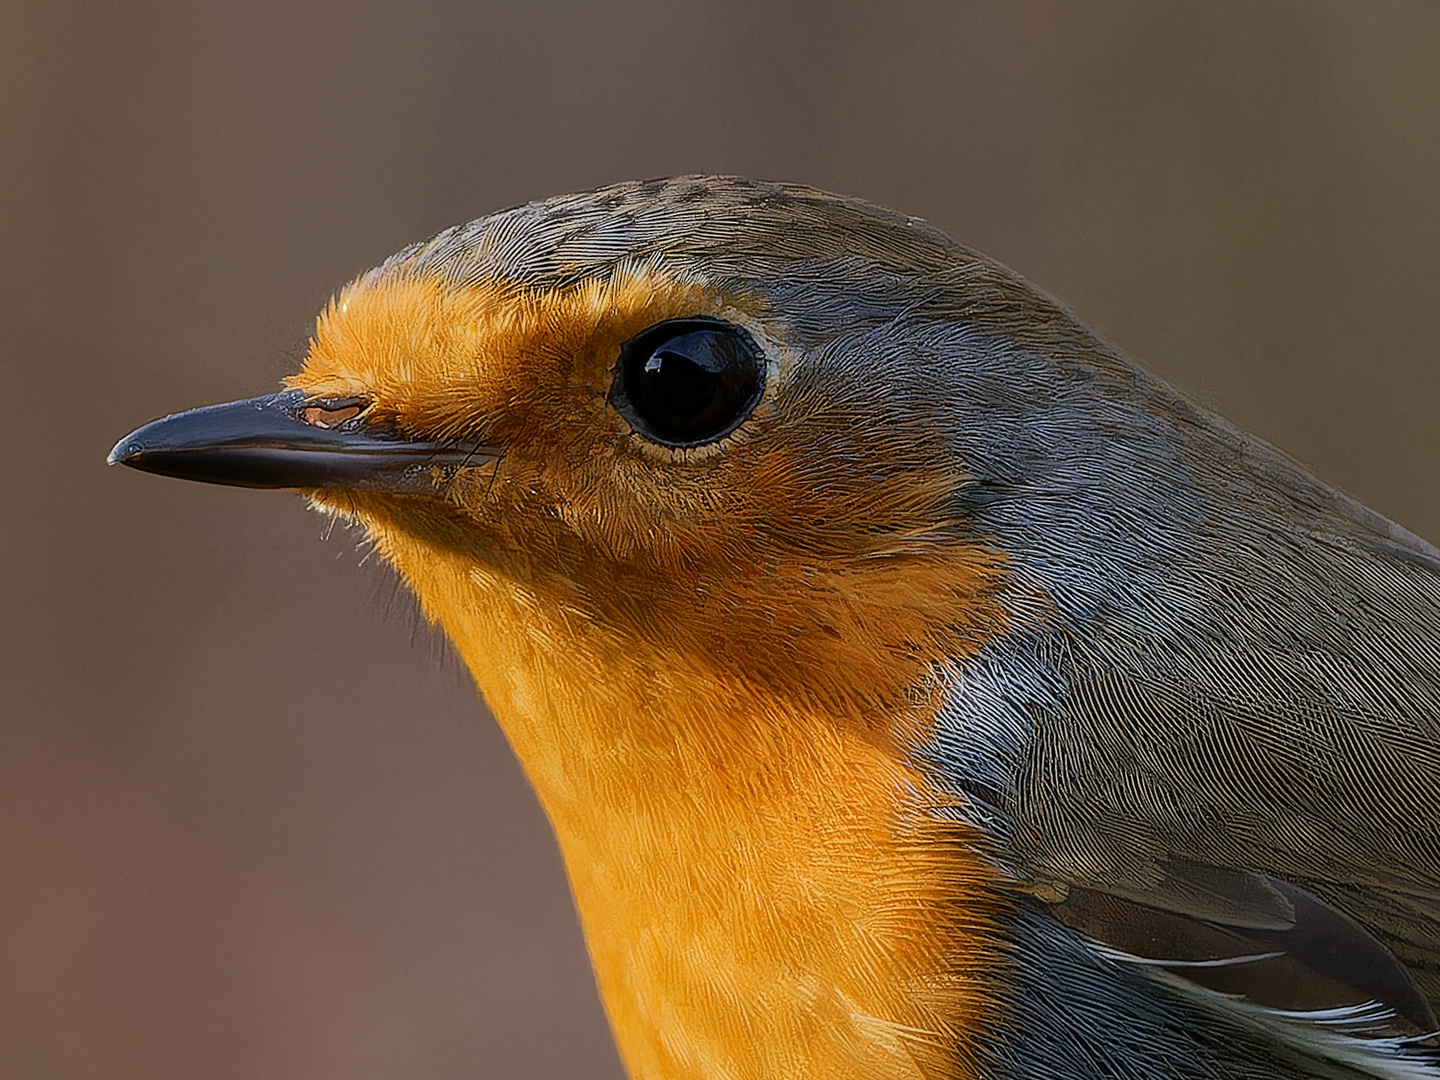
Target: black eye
686,382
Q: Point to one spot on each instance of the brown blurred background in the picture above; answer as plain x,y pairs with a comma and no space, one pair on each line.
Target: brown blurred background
253,823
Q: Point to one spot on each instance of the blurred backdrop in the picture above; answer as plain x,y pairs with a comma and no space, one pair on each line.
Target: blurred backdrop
253,820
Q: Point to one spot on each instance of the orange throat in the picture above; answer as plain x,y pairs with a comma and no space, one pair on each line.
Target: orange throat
766,891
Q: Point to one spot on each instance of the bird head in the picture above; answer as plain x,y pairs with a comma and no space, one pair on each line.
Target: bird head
705,418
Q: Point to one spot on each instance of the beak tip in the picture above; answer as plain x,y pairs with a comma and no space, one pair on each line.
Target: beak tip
121,452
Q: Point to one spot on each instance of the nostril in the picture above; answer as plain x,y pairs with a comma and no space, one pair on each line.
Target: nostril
329,414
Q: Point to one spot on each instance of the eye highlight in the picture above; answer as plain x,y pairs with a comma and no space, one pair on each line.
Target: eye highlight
687,382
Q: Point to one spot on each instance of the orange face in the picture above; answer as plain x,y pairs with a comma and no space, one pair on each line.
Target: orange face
801,545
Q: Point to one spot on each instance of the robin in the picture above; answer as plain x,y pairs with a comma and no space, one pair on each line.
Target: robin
917,687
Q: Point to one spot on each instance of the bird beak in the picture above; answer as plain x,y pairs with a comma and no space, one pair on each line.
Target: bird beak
291,440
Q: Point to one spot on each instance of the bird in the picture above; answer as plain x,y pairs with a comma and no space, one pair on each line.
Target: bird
916,686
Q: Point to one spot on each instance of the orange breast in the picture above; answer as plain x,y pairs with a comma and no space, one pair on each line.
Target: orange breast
766,892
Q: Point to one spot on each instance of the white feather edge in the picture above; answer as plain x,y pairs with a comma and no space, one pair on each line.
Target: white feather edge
1337,1036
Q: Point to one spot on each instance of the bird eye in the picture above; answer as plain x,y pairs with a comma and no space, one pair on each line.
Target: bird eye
686,382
